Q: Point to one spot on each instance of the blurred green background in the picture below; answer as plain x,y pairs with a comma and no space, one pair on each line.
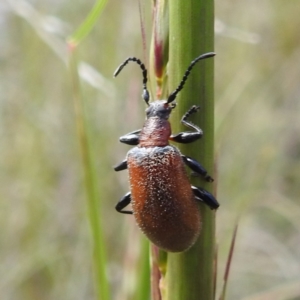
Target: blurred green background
45,246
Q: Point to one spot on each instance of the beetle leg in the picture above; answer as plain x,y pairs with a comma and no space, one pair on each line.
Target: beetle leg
131,138
206,197
121,166
185,137
123,203
196,167
188,137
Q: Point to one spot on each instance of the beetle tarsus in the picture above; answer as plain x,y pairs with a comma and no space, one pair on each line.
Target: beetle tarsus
189,124
188,137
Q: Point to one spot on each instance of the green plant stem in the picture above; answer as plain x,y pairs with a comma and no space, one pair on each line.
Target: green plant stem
99,257
190,275
143,284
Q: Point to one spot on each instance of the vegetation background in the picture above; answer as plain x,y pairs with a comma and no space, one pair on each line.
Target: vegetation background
45,247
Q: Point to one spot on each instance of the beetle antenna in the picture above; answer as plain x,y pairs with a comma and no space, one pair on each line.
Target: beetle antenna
173,95
145,94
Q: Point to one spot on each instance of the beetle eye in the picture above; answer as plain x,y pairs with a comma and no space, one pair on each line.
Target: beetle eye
173,105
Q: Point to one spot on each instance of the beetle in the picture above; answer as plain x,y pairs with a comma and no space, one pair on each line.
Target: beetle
164,203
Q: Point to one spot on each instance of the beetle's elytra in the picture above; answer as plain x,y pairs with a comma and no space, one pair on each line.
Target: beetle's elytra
164,203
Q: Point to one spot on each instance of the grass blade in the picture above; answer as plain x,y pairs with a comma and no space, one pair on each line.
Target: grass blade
88,24
228,264
99,257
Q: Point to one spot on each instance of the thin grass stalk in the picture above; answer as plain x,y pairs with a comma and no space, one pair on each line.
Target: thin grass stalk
90,180
190,275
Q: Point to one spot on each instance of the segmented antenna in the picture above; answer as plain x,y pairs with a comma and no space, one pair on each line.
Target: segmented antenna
173,95
145,94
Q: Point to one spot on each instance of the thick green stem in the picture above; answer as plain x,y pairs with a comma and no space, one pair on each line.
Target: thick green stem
190,275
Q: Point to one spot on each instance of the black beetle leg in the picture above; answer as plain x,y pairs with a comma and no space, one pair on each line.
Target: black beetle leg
121,166
123,203
131,138
206,197
188,137
196,167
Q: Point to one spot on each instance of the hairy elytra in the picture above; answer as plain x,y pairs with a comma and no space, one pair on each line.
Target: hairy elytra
164,203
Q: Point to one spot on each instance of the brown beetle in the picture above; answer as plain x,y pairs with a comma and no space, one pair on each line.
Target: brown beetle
164,203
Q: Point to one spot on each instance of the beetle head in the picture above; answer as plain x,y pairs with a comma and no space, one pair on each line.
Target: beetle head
160,108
